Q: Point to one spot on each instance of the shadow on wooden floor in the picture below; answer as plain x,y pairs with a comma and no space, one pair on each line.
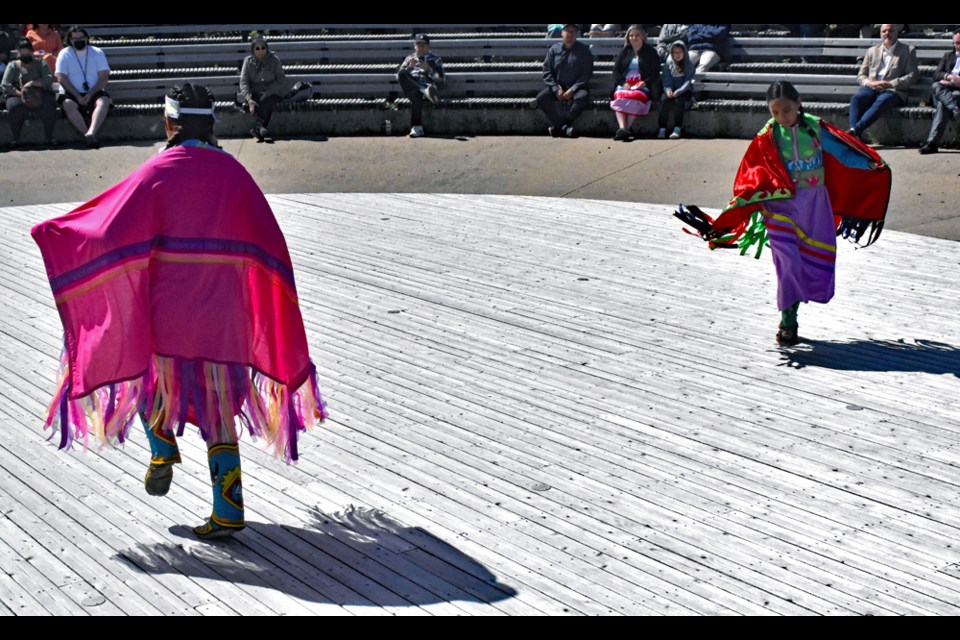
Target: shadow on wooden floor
358,557
923,356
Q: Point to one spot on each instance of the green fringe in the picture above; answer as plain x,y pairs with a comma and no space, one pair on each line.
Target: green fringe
754,234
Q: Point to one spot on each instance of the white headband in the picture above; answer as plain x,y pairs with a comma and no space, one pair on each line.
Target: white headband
173,111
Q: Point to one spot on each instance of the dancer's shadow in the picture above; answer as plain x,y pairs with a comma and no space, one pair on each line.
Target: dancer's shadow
356,557
876,355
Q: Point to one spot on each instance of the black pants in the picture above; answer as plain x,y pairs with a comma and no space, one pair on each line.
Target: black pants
412,89
675,107
266,103
946,99
19,112
547,100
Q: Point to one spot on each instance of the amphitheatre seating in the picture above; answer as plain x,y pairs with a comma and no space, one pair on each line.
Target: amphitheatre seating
489,70
132,35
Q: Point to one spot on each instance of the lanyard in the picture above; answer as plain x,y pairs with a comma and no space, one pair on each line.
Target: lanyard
83,67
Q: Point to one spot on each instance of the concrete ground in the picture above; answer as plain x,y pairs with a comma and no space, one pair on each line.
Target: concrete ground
692,171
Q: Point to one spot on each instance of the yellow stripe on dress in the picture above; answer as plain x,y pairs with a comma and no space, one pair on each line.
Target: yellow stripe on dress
800,233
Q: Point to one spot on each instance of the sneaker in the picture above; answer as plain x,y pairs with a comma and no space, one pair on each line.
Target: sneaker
622,134
675,135
430,93
929,148
158,479
554,132
788,336
569,132
662,134
256,133
416,132
91,141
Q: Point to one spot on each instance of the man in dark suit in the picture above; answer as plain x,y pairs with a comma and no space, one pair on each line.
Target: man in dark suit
888,70
567,70
945,93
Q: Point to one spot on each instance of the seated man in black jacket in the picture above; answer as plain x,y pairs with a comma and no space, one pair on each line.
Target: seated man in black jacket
946,96
567,70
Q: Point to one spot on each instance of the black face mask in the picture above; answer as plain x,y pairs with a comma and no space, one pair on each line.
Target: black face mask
79,45
26,59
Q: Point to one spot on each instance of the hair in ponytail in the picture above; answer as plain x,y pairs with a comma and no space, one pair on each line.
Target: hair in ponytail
189,126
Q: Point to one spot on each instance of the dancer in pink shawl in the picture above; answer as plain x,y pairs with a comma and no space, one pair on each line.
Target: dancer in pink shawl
178,303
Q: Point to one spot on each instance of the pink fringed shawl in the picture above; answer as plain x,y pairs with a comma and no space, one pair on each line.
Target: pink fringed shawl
177,297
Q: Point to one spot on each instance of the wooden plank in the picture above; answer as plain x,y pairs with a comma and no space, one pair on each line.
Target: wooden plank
686,472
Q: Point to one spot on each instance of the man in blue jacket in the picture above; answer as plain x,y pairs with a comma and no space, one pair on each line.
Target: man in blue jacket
567,70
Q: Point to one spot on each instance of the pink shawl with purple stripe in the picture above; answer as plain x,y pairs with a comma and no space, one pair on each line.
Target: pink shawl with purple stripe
178,300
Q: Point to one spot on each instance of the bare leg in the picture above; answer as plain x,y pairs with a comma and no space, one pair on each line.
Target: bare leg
621,119
630,121
72,111
100,112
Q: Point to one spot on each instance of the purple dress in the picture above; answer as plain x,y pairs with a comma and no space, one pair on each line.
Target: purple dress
802,230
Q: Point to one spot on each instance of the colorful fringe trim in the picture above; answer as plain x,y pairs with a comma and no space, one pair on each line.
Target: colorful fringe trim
174,391
751,232
856,229
755,233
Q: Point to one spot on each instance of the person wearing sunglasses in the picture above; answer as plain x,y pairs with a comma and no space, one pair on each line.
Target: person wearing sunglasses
262,85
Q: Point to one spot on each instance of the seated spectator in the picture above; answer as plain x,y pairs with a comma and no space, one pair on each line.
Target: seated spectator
888,69
603,30
670,33
806,30
567,69
262,85
636,80
945,94
83,73
677,79
708,45
28,86
419,74
6,44
47,43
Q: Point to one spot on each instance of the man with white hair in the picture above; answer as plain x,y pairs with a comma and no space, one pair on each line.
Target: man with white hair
888,70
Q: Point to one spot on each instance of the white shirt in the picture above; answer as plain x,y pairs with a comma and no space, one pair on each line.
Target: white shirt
956,67
886,58
81,66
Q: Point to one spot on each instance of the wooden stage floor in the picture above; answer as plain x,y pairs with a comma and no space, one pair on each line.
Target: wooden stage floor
539,406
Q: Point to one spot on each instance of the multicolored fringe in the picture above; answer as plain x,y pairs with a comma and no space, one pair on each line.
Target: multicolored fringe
853,229
751,232
219,395
755,233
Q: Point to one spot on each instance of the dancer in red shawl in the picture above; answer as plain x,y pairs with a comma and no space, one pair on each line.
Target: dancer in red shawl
179,305
802,183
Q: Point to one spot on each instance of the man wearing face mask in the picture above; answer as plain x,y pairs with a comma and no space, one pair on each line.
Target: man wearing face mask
83,73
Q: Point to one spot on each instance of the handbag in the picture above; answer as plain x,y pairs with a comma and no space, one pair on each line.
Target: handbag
32,98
